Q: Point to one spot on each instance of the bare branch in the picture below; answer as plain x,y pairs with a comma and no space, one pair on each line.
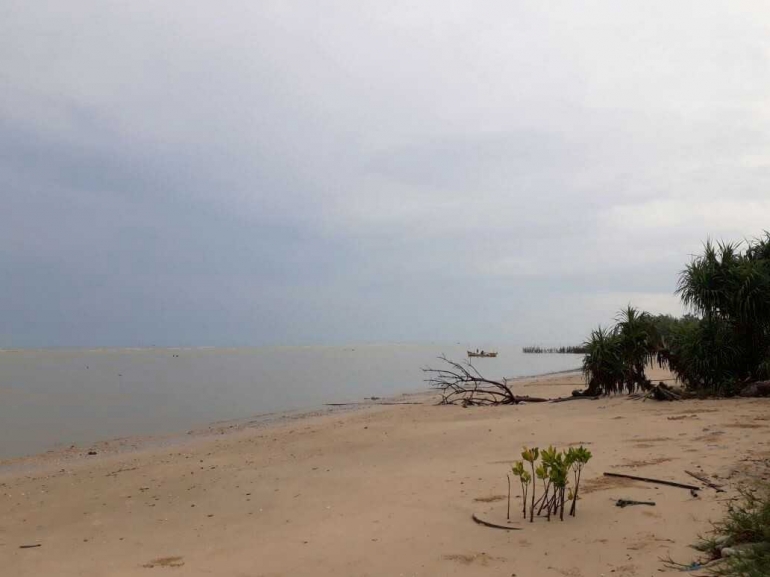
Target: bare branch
463,384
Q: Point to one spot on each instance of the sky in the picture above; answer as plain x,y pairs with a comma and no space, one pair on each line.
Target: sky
248,172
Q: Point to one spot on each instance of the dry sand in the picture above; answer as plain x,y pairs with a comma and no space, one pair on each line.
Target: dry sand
381,491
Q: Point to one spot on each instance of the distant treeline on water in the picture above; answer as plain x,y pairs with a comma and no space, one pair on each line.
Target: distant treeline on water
575,350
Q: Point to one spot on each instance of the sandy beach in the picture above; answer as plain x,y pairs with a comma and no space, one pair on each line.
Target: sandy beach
382,490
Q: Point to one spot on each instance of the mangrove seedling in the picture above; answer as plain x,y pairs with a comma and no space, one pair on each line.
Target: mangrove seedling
508,515
518,471
559,477
578,458
531,455
542,474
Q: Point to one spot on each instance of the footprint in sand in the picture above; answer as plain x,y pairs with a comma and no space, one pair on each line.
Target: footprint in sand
629,569
472,558
164,562
648,541
644,463
569,572
490,499
604,483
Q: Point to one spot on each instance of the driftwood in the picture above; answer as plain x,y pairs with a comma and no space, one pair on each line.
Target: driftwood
706,481
758,389
574,397
660,392
462,384
481,521
626,502
657,481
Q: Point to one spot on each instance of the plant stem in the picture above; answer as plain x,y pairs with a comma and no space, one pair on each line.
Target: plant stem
524,499
544,498
508,516
534,484
573,509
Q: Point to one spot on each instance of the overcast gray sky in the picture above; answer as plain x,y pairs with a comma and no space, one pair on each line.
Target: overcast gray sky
247,172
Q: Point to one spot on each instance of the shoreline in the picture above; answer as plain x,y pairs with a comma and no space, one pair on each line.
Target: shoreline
140,442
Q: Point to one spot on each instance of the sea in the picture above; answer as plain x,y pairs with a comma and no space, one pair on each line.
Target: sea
54,398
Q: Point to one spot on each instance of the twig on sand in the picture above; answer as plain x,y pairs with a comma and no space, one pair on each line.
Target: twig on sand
659,392
649,480
481,521
706,481
626,502
669,563
574,398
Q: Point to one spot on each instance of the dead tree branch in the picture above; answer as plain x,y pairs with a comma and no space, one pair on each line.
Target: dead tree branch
462,384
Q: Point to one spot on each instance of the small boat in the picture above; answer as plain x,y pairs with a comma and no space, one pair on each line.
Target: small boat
478,353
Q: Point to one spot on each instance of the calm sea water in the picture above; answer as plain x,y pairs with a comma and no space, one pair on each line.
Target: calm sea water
54,398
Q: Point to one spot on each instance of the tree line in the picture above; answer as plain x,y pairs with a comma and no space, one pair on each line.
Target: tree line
720,347
571,350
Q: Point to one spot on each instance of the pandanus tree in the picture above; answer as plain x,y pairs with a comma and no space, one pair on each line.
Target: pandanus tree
639,344
616,358
730,290
603,363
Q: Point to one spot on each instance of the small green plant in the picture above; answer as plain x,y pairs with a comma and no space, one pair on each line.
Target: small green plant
542,474
746,530
553,472
530,456
524,478
559,480
578,457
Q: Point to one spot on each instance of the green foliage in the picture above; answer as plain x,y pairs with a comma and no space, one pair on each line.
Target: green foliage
615,358
553,471
559,471
570,350
747,526
705,356
603,363
639,343
730,343
723,345
530,455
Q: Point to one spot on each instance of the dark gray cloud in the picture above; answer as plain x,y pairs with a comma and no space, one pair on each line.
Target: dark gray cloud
293,172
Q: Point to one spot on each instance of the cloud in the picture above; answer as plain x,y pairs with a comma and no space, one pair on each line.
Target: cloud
285,172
